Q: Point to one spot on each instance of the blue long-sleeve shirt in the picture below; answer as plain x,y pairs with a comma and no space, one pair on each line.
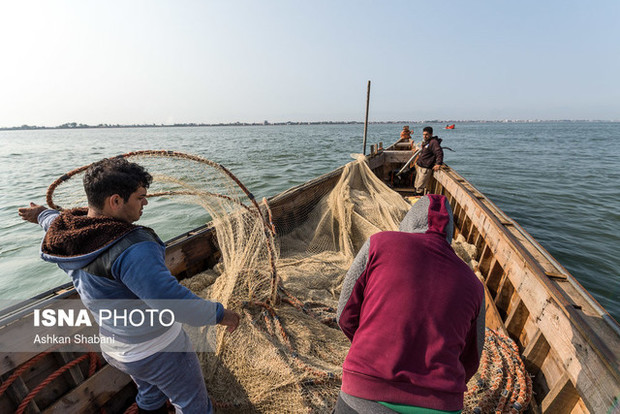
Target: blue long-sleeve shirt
140,280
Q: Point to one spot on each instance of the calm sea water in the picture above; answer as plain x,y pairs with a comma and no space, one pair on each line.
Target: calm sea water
560,181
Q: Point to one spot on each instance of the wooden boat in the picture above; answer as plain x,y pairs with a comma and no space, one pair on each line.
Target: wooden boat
569,343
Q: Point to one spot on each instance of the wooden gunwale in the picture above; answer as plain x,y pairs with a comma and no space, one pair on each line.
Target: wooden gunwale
596,379
567,305
18,310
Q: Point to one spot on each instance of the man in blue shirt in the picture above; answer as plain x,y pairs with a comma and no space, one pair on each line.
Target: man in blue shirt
112,260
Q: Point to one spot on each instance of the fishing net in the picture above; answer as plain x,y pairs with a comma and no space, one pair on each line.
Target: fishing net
245,237
287,353
288,357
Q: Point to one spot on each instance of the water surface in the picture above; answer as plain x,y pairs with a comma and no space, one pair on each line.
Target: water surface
558,180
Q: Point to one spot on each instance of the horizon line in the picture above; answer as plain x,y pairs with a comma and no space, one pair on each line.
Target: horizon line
75,125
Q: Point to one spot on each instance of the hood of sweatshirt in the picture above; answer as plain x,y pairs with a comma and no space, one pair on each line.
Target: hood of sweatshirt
430,214
73,239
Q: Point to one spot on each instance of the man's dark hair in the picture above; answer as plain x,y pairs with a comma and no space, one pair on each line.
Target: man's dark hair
113,176
428,129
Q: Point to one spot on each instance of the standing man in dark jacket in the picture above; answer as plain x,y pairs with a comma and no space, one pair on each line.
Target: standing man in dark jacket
430,159
414,312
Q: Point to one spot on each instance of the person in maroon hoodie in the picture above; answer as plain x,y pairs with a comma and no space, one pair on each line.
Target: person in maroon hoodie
414,312
429,160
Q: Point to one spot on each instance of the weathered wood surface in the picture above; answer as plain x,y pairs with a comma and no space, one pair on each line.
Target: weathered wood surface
192,252
575,338
96,391
492,318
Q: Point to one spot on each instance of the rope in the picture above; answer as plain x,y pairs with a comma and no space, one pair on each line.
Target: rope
203,193
504,385
272,227
6,384
95,363
52,377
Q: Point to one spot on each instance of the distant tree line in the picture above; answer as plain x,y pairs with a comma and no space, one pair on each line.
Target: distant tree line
75,125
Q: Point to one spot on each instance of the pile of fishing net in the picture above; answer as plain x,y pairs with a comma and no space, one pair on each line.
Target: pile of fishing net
287,353
287,356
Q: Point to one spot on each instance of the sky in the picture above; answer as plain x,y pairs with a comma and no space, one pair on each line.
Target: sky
184,61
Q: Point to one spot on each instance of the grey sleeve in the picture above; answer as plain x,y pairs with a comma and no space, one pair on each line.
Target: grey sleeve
355,271
46,217
480,326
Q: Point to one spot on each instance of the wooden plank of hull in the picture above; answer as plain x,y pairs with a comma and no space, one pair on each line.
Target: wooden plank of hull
587,361
18,391
535,353
11,360
94,392
192,252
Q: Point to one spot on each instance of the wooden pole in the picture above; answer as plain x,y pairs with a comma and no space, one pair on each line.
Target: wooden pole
366,121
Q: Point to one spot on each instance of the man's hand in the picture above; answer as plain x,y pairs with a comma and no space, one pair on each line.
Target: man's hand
31,213
437,167
230,320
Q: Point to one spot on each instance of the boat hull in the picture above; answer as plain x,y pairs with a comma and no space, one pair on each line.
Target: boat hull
568,342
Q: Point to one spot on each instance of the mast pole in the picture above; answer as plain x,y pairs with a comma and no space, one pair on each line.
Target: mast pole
366,121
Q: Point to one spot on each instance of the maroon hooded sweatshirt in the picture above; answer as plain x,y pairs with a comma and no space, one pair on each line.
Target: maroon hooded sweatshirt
411,314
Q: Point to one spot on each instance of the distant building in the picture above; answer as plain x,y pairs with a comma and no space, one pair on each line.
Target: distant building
266,122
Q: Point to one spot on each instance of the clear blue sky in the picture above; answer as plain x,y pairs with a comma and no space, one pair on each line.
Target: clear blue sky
225,61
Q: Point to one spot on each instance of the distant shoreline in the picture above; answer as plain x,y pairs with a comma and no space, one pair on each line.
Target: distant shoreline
74,125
